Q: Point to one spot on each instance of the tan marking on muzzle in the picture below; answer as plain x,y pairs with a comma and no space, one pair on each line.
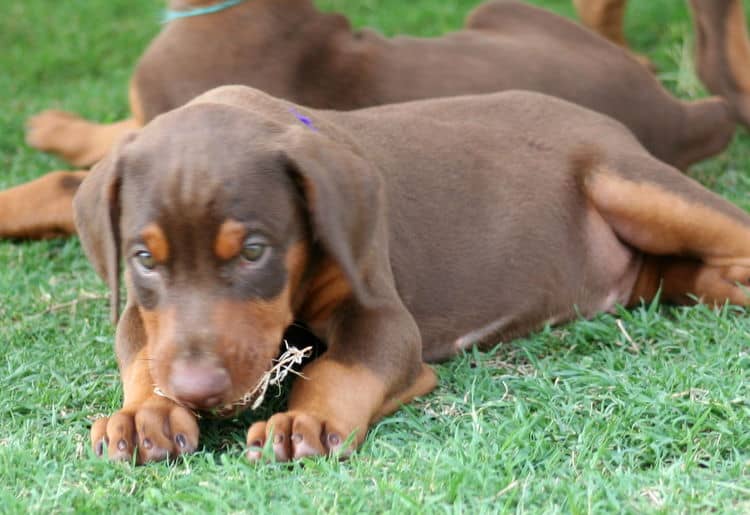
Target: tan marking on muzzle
250,336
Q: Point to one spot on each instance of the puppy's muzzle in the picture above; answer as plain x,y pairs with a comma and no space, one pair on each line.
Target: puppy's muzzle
200,383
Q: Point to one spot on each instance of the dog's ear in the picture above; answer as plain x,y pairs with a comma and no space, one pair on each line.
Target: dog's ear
97,216
343,197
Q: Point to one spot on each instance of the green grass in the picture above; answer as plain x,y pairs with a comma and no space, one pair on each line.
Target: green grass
651,415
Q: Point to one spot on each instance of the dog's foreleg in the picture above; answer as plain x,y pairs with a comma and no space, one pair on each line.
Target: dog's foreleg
148,426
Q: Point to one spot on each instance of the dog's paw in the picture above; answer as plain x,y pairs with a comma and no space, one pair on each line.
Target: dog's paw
61,133
156,430
296,435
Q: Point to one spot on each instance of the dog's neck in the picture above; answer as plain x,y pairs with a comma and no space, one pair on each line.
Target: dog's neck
191,4
181,5
177,9
190,9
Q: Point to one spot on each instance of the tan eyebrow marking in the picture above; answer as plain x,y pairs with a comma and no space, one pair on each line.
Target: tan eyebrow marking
229,240
154,238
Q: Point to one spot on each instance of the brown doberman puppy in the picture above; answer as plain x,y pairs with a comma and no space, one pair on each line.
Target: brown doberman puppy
401,234
722,44
290,50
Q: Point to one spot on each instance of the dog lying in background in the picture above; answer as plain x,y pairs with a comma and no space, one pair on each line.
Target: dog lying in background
722,44
290,50
400,234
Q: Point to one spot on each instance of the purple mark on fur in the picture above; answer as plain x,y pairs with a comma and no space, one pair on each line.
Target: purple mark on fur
304,119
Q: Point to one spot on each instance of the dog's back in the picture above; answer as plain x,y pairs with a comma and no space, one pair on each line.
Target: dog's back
290,50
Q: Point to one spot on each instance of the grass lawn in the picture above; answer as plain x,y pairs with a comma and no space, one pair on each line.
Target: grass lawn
642,411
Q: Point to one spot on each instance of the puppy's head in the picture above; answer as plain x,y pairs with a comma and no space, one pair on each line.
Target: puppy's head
217,212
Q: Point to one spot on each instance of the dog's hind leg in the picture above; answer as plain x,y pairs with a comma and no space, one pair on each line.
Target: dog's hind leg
40,209
723,52
80,142
605,17
694,242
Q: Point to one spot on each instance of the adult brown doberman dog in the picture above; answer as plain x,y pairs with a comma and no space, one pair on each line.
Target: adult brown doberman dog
290,50
722,49
401,234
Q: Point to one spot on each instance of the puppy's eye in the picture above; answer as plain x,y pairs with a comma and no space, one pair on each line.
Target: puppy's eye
254,249
145,260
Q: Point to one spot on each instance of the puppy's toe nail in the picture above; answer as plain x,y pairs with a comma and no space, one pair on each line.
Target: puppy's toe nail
154,454
297,438
334,440
303,449
280,448
99,449
184,445
122,445
255,451
147,443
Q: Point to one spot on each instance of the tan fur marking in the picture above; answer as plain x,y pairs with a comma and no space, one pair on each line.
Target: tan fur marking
660,222
136,106
151,323
244,336
160,347
296,262
156,241
42,208
605,17
249,337
350,397
679,278
229,239
78,141
326,290
138,386
738,48
425,383
347,396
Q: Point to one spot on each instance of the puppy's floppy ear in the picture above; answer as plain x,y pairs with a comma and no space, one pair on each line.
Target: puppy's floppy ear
97,216
343,195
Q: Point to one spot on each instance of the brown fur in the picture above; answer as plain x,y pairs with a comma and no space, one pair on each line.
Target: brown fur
290,50
401,234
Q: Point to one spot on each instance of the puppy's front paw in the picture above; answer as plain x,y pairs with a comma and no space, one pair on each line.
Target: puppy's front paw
155,430
296,434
